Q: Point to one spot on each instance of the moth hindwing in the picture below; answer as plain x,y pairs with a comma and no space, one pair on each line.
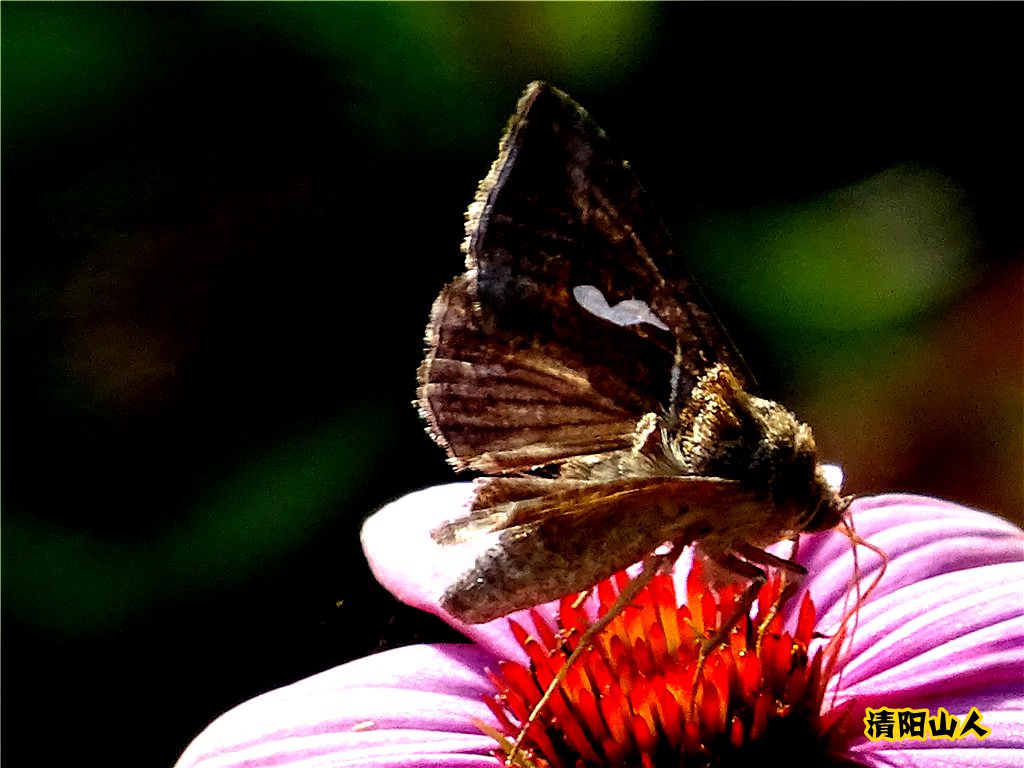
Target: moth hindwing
577,366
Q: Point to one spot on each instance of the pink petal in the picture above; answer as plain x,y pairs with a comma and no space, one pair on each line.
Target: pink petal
959,631
947,620
921,537
932,754
407,562
945,628
412,706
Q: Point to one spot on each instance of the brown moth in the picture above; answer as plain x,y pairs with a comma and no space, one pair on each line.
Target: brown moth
577,366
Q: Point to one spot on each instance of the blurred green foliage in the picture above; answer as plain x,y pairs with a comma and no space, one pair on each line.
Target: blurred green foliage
268,509
878,253
413,64
64,62
836,276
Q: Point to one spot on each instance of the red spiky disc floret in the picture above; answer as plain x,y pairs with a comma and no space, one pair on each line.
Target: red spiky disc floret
641,696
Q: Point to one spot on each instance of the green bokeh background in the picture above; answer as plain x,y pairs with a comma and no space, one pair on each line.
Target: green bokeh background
223,227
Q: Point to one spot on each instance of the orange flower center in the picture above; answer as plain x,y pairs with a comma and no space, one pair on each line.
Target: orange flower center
645,694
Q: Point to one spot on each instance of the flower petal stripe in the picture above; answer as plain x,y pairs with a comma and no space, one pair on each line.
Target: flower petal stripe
409,706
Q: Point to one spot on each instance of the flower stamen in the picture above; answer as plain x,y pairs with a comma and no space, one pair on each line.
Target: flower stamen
647,691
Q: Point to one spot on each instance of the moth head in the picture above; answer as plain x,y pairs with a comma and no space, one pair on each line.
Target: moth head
830,507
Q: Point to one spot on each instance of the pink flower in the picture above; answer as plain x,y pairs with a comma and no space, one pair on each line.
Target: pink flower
944,629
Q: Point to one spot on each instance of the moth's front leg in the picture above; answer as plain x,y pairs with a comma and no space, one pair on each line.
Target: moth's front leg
745,568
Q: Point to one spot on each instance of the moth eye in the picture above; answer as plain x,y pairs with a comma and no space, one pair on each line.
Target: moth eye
625,313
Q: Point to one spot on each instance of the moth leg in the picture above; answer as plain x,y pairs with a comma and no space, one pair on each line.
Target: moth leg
752,554
785,566
652,565
745,568
757,578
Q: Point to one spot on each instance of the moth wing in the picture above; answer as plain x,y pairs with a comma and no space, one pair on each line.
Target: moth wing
568,540
506,502
565,327
499,403
519,504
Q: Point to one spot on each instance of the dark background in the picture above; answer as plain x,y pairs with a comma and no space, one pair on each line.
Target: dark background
224,225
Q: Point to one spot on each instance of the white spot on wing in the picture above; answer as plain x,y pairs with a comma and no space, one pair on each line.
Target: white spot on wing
625,313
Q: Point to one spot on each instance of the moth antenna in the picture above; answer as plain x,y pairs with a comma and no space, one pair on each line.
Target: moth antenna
853,613
651,566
